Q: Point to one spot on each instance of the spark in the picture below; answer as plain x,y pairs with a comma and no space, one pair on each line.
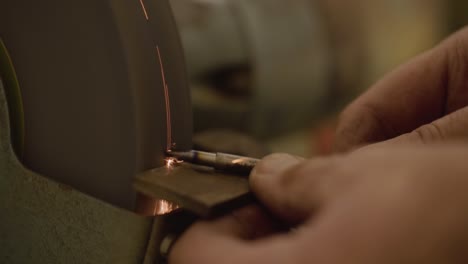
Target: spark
168,103
144,9
162,207
171,162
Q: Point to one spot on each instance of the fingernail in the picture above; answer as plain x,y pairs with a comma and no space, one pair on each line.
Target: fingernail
275,164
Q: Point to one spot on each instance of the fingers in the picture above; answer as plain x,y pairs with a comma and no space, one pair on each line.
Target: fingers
453,127
247,224
403,211
419,92
218,241
405,99
291,189
284,184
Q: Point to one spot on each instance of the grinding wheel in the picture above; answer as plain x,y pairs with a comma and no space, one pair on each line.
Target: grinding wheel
103,90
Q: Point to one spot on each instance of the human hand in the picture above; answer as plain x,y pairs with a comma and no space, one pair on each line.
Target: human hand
400,204
424,101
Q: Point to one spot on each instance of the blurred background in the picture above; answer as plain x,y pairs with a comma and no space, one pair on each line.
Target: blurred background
273,75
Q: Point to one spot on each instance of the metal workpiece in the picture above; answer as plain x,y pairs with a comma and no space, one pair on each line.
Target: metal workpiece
220,161
199,190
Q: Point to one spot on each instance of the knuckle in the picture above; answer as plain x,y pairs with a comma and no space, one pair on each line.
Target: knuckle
457,49
456,124
346,114
460,116
361,123
460,36
349,117
348,122
429,133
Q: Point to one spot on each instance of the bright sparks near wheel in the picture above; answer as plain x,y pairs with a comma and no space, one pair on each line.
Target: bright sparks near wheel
168,102
170,162
144,9
162,207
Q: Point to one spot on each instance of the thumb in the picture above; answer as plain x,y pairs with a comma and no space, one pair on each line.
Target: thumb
449,128
290,187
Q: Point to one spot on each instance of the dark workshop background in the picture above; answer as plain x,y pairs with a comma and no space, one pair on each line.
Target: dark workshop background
272,75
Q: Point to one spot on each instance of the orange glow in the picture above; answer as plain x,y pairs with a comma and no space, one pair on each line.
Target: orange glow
171,162
163,207
144,9
168,103
237,161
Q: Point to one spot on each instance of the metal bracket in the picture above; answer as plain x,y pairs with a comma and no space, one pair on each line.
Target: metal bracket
46,222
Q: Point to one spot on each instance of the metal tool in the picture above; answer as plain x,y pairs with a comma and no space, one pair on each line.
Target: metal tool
219,161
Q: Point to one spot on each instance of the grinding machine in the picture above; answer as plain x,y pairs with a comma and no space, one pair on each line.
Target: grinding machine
92,93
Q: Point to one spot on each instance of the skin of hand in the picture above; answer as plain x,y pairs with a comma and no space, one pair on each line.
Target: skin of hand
423,101
401,202
398,204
